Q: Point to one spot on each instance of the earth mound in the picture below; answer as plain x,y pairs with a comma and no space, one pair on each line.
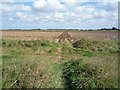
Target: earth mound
64,37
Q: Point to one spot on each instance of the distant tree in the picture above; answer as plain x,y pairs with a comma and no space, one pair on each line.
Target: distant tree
102,29
113,28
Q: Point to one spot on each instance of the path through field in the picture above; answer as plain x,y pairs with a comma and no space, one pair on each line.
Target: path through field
59,55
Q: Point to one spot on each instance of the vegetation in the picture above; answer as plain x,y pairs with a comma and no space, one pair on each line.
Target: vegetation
96,45
43,64
112,28
81,75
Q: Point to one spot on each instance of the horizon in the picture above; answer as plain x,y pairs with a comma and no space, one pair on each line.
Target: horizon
111,28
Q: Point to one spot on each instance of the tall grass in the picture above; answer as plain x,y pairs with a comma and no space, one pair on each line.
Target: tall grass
41,64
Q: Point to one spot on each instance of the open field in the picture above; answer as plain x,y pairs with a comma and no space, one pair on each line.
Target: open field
51,35
89,61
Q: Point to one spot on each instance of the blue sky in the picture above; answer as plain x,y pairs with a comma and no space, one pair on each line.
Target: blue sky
55,14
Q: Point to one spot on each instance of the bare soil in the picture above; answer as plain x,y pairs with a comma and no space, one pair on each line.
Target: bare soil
59,36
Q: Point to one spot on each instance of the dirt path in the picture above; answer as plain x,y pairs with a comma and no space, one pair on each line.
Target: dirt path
58,60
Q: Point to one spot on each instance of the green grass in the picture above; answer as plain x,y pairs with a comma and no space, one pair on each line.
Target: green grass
79,74
41,64
96,45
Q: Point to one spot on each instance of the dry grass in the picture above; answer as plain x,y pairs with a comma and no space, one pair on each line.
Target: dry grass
36,64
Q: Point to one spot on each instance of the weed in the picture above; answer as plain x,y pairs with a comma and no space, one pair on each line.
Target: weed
4,57
62,59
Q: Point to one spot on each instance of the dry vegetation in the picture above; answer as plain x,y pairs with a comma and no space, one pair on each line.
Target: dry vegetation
84,63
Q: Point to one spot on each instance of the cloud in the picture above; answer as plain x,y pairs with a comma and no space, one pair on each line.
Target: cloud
109,6
10,8
47,5
85,9
63,13
22,17
39,4
29,18
6,0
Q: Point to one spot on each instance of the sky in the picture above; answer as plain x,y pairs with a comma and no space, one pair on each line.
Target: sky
58,14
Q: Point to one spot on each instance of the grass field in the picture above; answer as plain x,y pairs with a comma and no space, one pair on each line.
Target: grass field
85,63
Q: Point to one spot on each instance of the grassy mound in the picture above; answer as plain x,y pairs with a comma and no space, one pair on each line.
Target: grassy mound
96,45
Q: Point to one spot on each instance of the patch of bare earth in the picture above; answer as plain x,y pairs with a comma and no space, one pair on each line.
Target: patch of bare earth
58,60
64,37
59,36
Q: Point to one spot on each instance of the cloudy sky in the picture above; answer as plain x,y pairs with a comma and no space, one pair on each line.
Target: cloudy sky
55,14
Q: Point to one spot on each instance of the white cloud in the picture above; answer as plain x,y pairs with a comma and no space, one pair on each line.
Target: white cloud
110,6
10,8
71,13
39,4
29,18
48,6
21,15
59,15
85,9
76,1
22,18
25,8
6,0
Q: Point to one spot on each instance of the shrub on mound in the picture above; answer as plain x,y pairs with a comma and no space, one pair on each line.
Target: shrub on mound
86,44
96,45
